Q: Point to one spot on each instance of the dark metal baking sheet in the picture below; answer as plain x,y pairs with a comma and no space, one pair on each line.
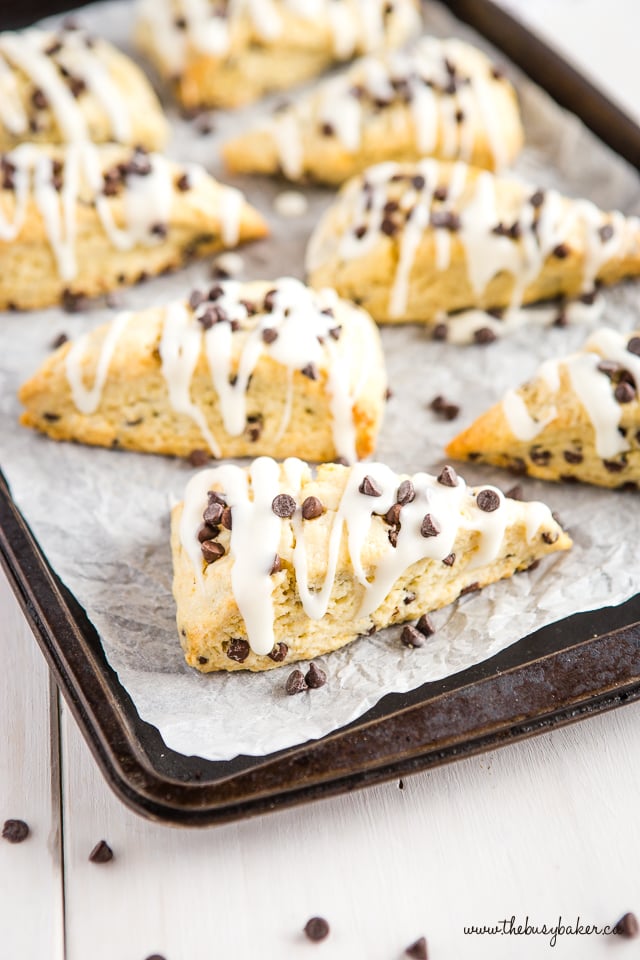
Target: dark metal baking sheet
579,666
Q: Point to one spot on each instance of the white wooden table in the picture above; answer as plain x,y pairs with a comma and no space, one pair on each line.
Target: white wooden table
540,829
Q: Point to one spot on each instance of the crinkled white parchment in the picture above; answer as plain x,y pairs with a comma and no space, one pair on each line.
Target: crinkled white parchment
102,517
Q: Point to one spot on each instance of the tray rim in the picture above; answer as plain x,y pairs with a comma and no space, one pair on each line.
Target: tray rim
104,723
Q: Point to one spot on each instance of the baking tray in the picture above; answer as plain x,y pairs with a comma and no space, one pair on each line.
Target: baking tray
578,666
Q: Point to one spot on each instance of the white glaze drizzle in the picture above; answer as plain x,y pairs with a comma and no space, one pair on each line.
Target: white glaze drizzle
12,114
87,399
521,423
255,537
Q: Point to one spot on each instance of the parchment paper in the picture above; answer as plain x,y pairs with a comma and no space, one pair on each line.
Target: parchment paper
102,517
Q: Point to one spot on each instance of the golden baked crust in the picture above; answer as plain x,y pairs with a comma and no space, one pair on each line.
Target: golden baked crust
104,217
474,547
578,418
441,98
414,242
66,86
235,53
247,360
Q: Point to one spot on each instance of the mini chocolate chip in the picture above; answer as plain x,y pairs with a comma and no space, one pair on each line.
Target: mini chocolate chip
207,532
430,527
418,182
238,650
410,597
54,47
312,508
73,302
15,831
196,298
310,371
269,335
500,230
406,493
627,926
393,536
183,183
279,653
448,477
269,300
327,130
571,456
459,116
296,683
39,100
59,340
550,537
411,637
317,928
613,466
77,86
515,493
359,232
226,518
440,331
315,677
101,853
470,588
497,73
369,487
538,456
537,199
445,219
212,550
213,513
159,230
425,625
389,227
449,560
276,566
589,298
203,124
634,346
605,233
488,500
515,231
561,251
448,411
198,458
391,206
418,950
284,506
392,516
484,335
203,660
51,417
440,193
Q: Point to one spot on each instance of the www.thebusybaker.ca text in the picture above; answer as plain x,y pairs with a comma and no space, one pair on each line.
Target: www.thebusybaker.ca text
514,927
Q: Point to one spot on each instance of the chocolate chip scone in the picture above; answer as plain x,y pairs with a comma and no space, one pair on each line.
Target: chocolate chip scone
82,220
272,565
67,86
441,98
418,242
239,370
578,418
232,52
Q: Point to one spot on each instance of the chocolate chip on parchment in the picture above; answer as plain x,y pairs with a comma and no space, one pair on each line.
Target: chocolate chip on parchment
430,526
628,926
441,406
418,950
59,340
406,493
155,956
198,458
15,831
634,346
515,493
296,683
269,335
426,626
448,477
316,928
488,500
212,550
284,506
449,560
159,230
279,653
238,650
369,487
411,637
72,302
312,508
315,677
440,331
470,588
101,853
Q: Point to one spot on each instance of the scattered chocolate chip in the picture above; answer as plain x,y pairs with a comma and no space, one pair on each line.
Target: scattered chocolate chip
459,116
411,637
51,417
15,831
440,193
515,231
572,456
335,332
204,124
537,199
198,458
449,560
561,319
159,230
360,231
310,371
196,298
183,183
77,86
389,227
212,550
561,251
59,340
627,926
606,232
418,950
315,677
444,409
392,516
312,508
500,230
284,506
488,500
101,853
317,928
296,683
279,653
54,47
440,331
401,784
180,23
445,219
471,588
238,650
39,100
73,302
430,527
425,625
269,335
213,512
327,130
634,346
406,493
369,487
515,493
550,537
418,182
203,660
484,335
226,518
410,597
269,300
448,477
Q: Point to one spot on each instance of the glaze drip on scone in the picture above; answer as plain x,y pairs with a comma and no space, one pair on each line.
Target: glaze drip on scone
430,513
294,326
594,383
447,91
209,28
145,182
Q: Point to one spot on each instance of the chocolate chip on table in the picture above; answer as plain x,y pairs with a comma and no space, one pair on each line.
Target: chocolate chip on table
296,683
627,926
425,625
369,488
441,406
279,653
212,550
411,637
315,677
15,831
448,477
515,493
634,346
238,650
312,508
624,392
488,500
59,340
316,929
101,853
198,458
284,506
73,302
418,950
430,527
406,493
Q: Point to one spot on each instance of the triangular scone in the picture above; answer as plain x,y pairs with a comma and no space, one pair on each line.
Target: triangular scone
232,52
414,242
66,86
578,418
272,565
81,220
442,98
245,369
